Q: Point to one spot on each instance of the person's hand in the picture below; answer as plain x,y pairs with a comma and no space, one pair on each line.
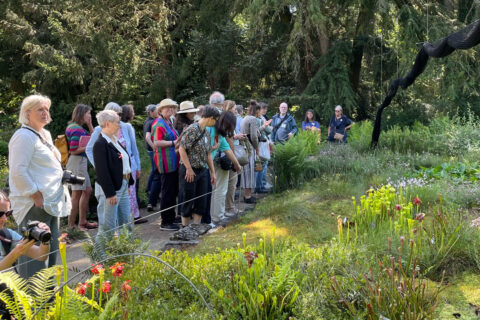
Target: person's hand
290,135
215,146
240,136
139,173
257,150
213,178
113,200
23,246
237,166
44,226
267,123
189,175
37,198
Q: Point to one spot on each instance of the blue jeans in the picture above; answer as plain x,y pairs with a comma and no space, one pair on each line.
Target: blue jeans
154,167
261,177
111,214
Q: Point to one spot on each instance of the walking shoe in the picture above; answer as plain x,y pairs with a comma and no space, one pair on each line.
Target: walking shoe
230,214
140,220
149,208
169,227
250,200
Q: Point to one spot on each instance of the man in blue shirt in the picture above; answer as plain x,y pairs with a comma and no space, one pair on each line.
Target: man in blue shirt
338,126
284,125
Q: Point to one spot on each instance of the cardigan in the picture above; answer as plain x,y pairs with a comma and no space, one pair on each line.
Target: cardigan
108,166
129,136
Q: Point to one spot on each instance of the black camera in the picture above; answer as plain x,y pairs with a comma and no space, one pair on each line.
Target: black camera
33,232
69,177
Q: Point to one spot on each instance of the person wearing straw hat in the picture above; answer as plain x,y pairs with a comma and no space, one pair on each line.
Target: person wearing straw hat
166,159
185,116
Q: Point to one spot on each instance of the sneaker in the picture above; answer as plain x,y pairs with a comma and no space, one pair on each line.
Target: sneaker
212,225
149,208
230,214
169,227
140,220
250,200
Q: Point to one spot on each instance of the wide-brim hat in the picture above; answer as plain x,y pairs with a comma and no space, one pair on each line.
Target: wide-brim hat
167,103
187,107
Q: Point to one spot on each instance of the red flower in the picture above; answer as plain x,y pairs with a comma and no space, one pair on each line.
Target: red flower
96,268
117,269
398,207
106,287
126,287
417,201
81,288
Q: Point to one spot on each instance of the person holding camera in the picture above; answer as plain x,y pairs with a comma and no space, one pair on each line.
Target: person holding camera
338,126
35,177
13,245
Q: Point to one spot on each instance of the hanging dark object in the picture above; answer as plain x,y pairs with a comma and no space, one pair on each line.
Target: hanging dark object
466,38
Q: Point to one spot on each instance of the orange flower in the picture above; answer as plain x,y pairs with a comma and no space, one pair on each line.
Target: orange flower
126,287
117,269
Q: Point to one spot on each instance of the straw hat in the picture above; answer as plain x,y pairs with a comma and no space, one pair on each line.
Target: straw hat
187,107
167,103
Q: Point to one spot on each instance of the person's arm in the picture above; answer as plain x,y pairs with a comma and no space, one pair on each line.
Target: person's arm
20,152
253,133
135,153
91,143
303,126
190,174
21,248
158,136
213,178
148,139
349,122
294,129
274,130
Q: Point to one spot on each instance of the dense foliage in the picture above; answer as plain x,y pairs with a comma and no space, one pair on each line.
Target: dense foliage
313,54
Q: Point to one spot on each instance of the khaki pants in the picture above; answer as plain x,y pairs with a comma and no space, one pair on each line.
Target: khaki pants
232,185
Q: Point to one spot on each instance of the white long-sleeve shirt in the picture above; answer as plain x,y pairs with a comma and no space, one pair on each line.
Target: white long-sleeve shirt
33,167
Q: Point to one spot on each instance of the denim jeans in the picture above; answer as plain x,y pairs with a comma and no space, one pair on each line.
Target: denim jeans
155,188
152,173
260,177
113,214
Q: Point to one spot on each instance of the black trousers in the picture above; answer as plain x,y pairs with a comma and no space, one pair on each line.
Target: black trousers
169,196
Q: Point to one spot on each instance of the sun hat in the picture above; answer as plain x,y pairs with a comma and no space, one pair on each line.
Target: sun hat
167,103
187,107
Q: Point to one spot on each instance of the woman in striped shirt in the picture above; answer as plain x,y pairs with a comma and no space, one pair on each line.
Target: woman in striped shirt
78,164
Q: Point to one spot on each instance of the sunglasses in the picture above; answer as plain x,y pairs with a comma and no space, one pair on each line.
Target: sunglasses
7,213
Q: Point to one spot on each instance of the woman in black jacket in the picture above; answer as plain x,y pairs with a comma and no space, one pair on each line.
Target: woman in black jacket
112,165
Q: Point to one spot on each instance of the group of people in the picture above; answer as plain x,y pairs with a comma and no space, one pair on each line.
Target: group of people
201,157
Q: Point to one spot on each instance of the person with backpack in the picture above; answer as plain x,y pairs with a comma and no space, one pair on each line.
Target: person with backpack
36,184
283,125
77,138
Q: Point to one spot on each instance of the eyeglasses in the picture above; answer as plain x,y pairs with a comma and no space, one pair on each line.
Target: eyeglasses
6,213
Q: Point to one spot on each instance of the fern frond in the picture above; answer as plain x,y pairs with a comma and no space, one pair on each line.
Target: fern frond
18,302
109,310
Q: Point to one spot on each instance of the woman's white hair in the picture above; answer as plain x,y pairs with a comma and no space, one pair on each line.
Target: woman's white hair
339,107
107,116
113,106
29,103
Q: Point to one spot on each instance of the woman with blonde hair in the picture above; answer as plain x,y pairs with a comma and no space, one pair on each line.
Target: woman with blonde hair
35,177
